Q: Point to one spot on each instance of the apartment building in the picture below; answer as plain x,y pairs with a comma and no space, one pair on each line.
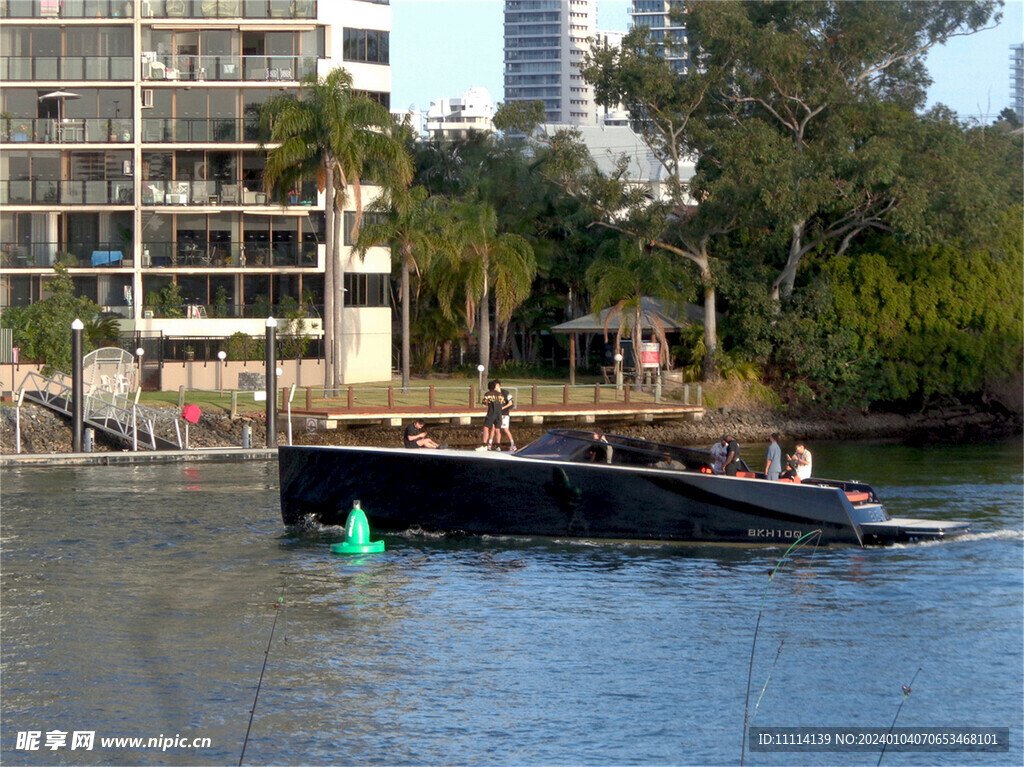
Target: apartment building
668,33
130,150
545,42
456,118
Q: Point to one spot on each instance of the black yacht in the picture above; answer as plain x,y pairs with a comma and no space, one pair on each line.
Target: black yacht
579,484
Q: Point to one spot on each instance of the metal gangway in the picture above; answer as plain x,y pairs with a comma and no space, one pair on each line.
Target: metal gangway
110,398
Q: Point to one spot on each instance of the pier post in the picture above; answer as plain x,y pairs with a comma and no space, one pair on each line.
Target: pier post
271,382
77,386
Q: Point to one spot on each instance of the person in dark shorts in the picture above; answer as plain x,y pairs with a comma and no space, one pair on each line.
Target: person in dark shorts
416,436
508,402
493,401
732,456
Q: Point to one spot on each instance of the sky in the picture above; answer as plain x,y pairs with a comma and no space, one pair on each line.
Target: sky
440,48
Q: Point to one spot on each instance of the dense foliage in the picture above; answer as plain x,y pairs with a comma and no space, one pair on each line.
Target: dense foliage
43,330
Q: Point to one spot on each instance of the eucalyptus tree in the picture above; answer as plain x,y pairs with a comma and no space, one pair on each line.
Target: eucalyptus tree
673,117
414,225
333,134
484,261
804,87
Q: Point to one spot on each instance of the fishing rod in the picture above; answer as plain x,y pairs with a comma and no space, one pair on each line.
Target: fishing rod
750,670
266,657
907,689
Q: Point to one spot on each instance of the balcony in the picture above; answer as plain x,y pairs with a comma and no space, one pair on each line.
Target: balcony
43,255
158,67
170,130
90,130
228,255
102,192
215,193
66,68
229,9
66,9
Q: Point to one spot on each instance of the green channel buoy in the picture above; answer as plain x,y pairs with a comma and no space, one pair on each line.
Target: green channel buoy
357,535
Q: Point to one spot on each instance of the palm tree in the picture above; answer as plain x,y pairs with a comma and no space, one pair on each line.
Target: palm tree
333,134
486,259
412,223
622,278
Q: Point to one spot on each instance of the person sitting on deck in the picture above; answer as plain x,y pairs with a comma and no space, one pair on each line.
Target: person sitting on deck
416,437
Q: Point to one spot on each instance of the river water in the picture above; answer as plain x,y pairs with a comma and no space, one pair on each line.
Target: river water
140,602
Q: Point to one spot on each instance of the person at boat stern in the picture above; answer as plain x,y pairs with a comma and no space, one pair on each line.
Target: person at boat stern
773,458
732,455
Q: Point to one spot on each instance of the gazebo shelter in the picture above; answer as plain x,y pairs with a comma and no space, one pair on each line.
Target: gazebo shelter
671,318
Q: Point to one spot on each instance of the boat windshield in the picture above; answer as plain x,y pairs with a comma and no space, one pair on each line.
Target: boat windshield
587,447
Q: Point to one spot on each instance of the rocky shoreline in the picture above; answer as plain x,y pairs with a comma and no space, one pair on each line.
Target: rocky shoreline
45,432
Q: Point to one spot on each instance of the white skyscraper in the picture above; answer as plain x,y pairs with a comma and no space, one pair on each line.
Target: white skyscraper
545,42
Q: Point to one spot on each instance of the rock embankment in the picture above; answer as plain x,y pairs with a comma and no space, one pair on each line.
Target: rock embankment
45,432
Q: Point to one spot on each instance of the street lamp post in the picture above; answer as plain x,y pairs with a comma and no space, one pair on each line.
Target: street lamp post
221,355
77,386
271,382
480,379
618,373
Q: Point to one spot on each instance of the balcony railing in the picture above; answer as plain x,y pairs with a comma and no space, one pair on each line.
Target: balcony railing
91,130
67,68
67,192
43,255
159,255
170,130
219,193
219,67
230,255
160,9
66,9
229,9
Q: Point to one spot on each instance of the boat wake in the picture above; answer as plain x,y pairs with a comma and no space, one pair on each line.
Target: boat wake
994,535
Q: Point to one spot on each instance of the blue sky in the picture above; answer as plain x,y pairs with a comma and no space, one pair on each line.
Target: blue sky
439,48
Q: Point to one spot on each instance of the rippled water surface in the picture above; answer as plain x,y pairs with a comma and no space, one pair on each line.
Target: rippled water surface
140,602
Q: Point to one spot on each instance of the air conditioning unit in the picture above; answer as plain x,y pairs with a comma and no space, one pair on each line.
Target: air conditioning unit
147,98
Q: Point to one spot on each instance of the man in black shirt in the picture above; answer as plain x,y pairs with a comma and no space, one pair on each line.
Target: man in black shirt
493,400
732,456
415,436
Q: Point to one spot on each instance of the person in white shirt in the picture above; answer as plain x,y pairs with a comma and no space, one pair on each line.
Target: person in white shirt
799,463
719,451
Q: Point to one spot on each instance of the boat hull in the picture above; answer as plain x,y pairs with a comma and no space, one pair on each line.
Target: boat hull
484,493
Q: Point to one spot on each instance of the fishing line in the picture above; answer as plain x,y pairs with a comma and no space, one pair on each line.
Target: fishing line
750,670
266,657
907,689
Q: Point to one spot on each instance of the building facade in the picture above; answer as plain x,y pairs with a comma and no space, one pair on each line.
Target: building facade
455,118
130,151
545,42
670,34
1017,80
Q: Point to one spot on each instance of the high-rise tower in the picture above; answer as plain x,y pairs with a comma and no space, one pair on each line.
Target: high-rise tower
545,42
655,15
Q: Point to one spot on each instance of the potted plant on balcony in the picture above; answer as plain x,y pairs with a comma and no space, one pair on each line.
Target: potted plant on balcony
190,354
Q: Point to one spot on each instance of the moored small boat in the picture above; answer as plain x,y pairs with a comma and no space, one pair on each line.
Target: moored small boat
572,483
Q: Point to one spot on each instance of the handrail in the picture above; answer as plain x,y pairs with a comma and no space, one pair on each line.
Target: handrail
103,410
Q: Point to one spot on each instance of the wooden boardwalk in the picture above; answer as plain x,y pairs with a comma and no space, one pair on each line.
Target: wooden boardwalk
335,417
